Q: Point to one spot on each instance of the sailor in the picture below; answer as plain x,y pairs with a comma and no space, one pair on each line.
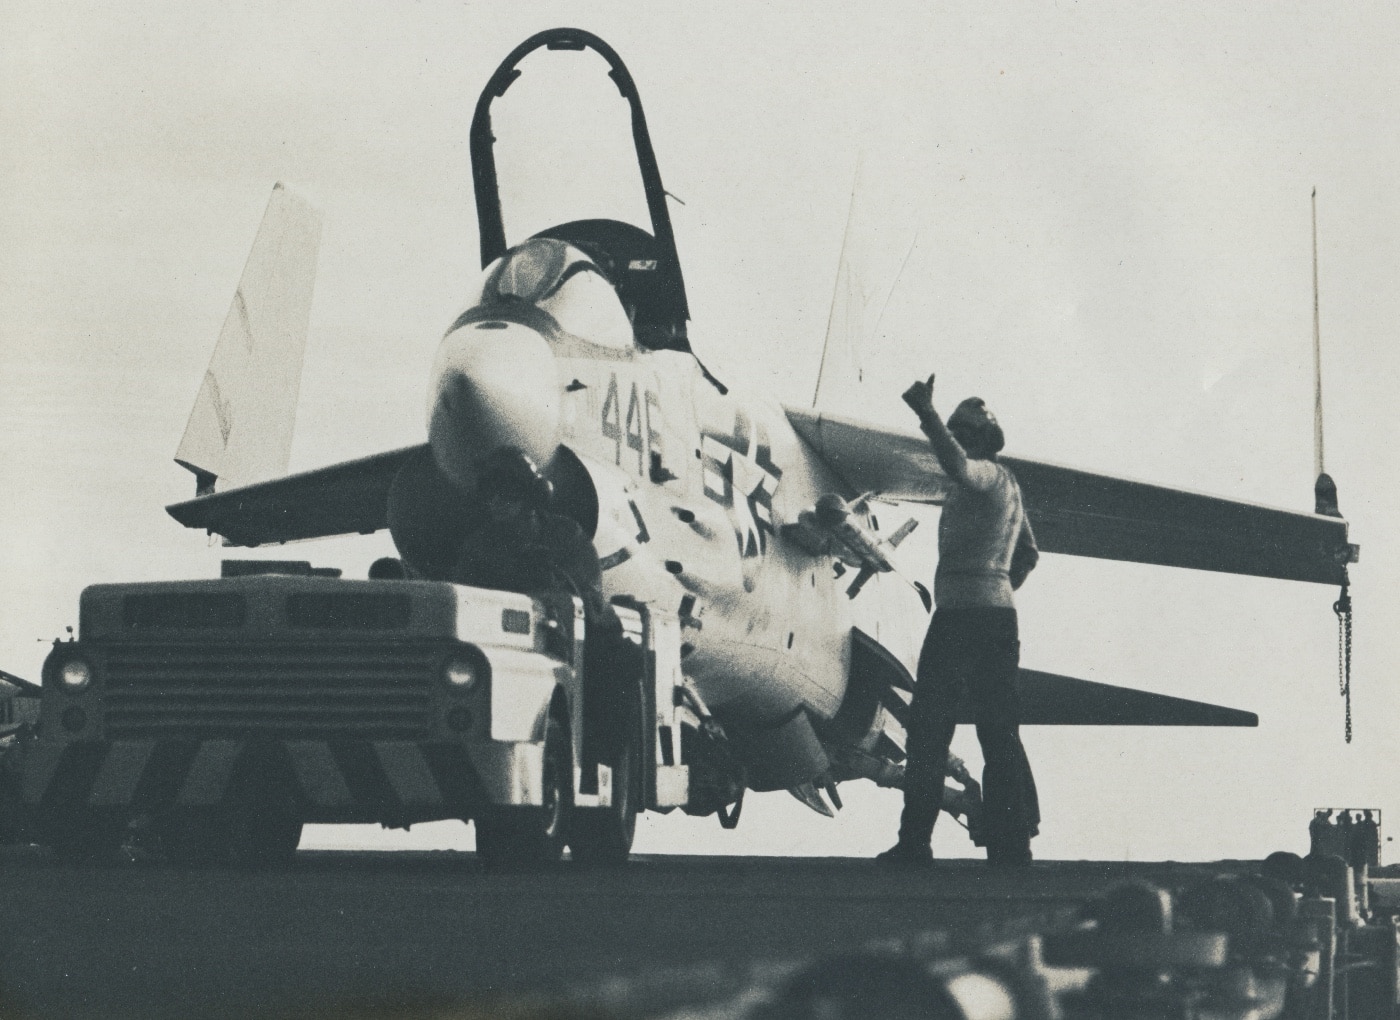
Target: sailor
1321,833
524,546
1346,836
1368,841
972,649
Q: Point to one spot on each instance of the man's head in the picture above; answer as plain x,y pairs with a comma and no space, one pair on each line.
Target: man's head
512,484
976,429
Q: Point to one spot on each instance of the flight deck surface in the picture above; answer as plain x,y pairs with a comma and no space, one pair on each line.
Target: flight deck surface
140,940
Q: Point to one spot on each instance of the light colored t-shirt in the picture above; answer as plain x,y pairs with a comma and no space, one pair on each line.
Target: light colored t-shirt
977,534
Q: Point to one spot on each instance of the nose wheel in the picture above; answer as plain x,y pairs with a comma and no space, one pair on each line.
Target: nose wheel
604,835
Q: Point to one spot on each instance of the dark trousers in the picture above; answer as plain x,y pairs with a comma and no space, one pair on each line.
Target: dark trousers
972,656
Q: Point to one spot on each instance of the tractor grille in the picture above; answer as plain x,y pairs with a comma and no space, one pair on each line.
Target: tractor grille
288,691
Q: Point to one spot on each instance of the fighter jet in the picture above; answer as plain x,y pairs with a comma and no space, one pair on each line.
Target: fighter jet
736,514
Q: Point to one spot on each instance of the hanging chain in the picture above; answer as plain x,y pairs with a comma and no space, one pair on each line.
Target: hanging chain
1342,607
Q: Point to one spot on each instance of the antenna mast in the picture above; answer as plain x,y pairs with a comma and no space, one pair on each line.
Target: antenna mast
1318,468
1325,493
1324,490
842,272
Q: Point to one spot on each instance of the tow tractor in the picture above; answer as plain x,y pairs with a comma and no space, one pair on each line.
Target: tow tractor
222,715
19,714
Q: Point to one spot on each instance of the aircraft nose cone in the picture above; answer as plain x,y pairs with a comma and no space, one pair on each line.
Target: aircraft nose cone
494,386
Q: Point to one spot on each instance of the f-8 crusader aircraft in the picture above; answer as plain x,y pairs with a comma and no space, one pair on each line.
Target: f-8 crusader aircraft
729,513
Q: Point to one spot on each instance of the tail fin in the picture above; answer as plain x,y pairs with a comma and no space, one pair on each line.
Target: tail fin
240,430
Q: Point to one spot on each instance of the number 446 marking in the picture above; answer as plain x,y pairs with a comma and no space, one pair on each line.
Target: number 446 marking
636,431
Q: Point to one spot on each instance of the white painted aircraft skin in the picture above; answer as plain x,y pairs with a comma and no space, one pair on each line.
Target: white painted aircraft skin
774,622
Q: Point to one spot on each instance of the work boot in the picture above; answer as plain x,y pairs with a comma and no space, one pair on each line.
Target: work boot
906,855
1009,853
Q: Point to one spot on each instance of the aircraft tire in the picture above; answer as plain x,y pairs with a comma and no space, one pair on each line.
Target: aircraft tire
80,836
14,826
245,839
515,838
603,836
260,840
195,839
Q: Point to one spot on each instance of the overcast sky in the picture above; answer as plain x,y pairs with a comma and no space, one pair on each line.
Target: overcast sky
1113,248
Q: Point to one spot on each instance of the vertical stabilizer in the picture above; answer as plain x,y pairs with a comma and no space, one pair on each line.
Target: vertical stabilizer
240,430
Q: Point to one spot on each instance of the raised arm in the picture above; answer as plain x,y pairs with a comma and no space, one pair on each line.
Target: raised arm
951,456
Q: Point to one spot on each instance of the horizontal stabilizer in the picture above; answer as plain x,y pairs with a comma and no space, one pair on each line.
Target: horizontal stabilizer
1085,514
1048,699
343,499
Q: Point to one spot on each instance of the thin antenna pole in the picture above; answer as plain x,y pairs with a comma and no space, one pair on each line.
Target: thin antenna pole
836,287
890,293
1317,352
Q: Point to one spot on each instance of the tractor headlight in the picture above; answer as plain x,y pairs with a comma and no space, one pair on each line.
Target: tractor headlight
75,675
464,671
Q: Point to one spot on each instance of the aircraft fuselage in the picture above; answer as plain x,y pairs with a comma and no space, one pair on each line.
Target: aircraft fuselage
689,486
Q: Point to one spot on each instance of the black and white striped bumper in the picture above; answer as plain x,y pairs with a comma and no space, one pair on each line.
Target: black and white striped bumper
391,781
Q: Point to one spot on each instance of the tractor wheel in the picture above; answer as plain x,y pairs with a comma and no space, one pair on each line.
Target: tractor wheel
81,836
528,837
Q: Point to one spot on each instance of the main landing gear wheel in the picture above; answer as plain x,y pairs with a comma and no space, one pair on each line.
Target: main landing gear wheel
245,839
195,838
604,835
263,839
525,837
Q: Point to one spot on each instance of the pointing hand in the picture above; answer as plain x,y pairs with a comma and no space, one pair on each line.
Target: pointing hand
919,396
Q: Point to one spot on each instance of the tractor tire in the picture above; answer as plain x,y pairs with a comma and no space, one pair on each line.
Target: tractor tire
516,838
81,836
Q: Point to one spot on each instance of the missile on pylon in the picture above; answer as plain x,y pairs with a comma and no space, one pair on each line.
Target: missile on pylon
831,528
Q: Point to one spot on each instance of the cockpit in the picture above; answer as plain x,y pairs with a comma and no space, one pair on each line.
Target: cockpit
599,281
641,265
556,289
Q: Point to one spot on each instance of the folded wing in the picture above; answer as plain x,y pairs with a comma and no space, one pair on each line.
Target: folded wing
1086,514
